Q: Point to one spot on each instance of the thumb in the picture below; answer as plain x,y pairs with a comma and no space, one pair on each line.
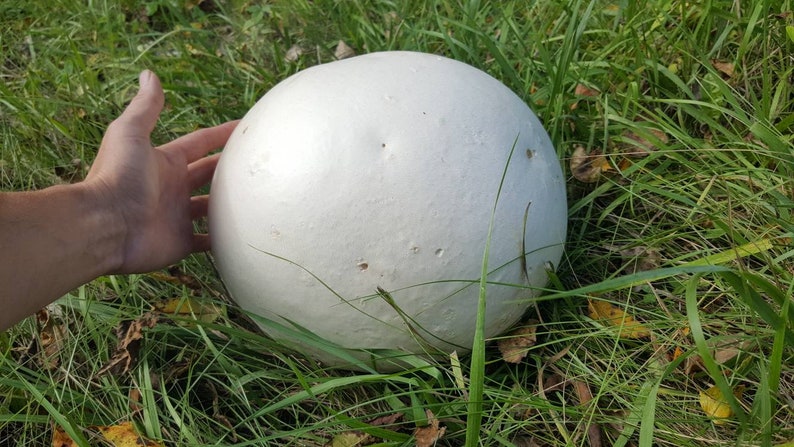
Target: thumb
144,109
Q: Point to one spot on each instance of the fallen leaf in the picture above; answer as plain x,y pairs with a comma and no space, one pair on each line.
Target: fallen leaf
343,50
638,145
350,439
726,68
583,90
643,258
715,405
614,316
515,345
52,336
588,168
124,435
61,439
134,397
176,276
385,421
428,435
554,382
293,54
584,395
203,311
525,441
727,348
129,334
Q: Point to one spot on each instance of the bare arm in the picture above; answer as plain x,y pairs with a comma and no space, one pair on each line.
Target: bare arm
133,213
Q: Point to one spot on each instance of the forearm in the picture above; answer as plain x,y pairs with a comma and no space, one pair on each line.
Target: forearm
52,241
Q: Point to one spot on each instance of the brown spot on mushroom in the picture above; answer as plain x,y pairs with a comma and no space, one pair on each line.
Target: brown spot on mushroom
363,266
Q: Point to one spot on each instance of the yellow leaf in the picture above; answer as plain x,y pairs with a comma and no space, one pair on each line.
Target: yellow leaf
714,404
614,316
124,435
203,311
349,439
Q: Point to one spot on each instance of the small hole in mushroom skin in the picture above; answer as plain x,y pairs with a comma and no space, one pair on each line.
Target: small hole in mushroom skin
440,252
383,145
363,266
530,153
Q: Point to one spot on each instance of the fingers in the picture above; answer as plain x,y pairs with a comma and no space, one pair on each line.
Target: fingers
142,113
199,206
201,242
197,144
198,209
200,172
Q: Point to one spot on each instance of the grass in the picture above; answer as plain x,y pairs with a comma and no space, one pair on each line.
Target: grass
692,100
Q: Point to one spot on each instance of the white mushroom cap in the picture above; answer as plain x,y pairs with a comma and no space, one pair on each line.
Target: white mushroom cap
382,171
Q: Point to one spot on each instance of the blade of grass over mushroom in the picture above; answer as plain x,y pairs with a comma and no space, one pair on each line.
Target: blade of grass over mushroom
634,279
477,369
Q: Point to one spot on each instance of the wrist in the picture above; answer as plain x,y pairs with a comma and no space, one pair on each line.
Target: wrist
104,221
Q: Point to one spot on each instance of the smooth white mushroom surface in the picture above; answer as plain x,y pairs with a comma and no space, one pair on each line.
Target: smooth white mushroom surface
383,170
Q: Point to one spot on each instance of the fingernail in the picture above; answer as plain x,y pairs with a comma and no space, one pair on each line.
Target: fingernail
145,77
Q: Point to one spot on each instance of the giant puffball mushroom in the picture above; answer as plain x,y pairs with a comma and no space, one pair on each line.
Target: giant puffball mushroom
382,171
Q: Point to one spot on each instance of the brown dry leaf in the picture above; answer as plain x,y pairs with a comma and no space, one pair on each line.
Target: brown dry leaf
134,397
428,435
614,316
525,441
726,68
640,146
584,395
385,421
583,90
714,404
624,164
61,439
129,334
343,50
52,335
203,311
588,168
293,53
727,348
124,435
554,382
515,345
643,258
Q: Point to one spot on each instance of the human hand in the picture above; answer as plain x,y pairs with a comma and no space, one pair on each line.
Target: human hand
149,188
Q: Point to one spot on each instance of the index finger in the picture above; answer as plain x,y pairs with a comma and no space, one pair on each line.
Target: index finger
196,145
